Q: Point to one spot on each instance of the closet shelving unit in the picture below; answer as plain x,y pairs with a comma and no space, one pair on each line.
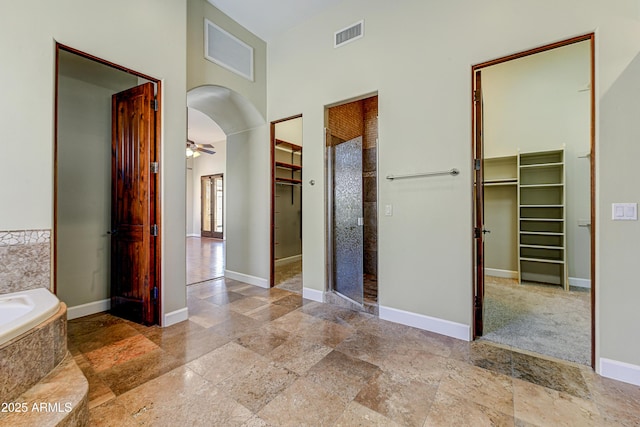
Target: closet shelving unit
542,217
287,173
500,171
293,165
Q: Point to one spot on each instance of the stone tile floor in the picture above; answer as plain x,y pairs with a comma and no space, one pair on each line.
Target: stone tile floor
289,276
249,356
205,259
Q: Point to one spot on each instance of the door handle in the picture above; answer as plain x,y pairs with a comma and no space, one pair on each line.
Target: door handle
485,231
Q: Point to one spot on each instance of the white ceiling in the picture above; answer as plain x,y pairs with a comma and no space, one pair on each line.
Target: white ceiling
269,18
203,130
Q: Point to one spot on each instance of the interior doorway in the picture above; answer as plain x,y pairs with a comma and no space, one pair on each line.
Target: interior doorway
534,200
352,203
286,204
106,252
206,163
211,197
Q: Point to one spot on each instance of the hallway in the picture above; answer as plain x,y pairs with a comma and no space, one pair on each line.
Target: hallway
205,259
250,356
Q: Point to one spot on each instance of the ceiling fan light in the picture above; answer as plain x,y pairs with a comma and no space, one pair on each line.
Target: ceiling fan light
189,152
196,154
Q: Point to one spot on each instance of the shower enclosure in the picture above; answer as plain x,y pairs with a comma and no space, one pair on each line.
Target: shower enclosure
345,217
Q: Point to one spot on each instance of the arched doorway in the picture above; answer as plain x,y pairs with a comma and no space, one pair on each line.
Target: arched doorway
245,224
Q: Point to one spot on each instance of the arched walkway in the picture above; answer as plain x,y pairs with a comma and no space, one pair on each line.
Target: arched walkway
247,171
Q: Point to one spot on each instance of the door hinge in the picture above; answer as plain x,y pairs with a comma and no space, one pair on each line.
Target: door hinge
476,95
154,293
476,164
477,302
154,230
154,104
476,233
154,167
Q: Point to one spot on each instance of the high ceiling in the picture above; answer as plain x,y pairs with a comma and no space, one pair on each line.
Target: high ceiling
269,18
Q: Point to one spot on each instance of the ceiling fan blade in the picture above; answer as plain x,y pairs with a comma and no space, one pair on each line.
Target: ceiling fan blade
205,145
202,150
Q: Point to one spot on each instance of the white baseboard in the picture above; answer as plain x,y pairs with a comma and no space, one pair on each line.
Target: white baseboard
89,308
288,260
620,371
427,323
252,280
193,235
580,283
175,317
313,294
507,274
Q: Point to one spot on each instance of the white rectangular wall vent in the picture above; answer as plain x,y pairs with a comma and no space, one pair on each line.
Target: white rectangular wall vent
226,50
347,35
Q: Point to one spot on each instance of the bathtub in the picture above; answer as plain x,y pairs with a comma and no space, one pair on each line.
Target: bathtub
21,311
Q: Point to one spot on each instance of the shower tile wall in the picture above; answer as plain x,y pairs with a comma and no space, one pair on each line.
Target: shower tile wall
369,163
25,260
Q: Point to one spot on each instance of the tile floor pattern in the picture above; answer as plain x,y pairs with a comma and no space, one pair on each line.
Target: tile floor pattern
205,259
289,276
249,356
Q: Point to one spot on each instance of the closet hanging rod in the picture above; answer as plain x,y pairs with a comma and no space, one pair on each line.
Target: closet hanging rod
288,183
452,172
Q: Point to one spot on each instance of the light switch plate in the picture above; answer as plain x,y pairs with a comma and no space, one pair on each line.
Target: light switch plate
388,210
624,211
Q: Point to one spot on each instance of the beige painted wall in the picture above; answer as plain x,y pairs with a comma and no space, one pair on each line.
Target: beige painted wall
423,78
501,218
248,203
290,131
148,36
84,187
248,171
203,72
540,103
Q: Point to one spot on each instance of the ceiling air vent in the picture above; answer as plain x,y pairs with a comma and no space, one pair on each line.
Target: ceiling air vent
349,34
227,50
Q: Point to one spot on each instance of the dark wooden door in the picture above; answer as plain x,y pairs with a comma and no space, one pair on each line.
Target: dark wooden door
134,293
478,231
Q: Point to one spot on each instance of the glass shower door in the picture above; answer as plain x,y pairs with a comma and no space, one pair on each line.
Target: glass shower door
347,214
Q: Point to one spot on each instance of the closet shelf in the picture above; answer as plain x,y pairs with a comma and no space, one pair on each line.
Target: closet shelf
288,166
542,260
541,233
542,165
288,145
543,247
289,180
542,217
541,185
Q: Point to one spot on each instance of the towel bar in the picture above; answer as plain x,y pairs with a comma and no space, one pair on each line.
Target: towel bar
452,172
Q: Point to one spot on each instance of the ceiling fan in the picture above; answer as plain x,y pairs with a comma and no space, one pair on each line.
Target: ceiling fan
194,150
